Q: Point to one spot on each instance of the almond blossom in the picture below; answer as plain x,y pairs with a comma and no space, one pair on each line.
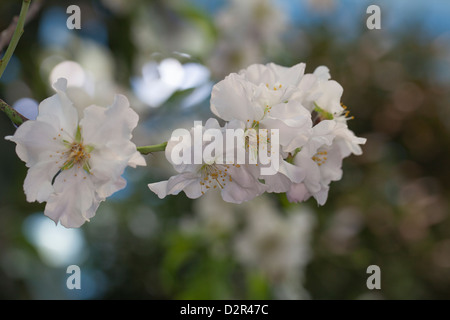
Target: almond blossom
307,111
236,182
76,162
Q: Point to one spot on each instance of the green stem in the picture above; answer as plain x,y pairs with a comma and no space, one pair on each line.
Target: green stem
12,114
154,148
16,36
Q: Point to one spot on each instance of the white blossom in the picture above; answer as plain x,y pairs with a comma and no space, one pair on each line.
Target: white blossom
321,158
76,163
236,182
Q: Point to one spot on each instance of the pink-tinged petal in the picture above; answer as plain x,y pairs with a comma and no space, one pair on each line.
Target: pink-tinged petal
298,193
74,199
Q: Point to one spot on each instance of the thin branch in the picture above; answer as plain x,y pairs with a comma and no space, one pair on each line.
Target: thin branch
154,148
12,114
7,34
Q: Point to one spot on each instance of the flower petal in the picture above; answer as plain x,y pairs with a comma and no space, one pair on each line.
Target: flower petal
231,99
34,139
176,184
38,182
298,193
58,111
74,201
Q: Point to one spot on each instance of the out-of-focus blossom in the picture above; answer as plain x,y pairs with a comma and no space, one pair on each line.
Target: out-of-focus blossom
247,31
276,245
160,81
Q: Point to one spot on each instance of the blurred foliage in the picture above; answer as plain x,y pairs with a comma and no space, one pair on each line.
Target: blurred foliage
390,209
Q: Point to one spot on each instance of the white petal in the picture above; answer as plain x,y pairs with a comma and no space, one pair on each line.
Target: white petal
38,182
330,100
322,73
244,184
291,112
35,140
193,190
288,75
101,126
109,187
259,73
176,184
322,195
179,182
58,110
137,160
277,183
290,137
106,164
294,173
331,169
230,99
160,188
74,199
312,178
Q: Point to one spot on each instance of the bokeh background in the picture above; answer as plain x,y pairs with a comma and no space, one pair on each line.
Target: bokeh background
390,209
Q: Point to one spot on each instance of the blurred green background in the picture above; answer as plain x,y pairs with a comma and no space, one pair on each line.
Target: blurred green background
390,209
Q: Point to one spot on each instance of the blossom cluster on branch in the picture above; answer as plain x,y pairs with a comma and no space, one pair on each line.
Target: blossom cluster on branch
76,154
313,136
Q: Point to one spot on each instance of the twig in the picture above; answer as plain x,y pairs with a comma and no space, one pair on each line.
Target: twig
154,148
16,36
6,35
12,114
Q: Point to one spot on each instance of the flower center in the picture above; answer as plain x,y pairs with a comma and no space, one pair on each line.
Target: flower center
214,175
320,157
77,155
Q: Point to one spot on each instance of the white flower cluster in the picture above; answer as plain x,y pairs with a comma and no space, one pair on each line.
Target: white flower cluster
76,152
311,122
